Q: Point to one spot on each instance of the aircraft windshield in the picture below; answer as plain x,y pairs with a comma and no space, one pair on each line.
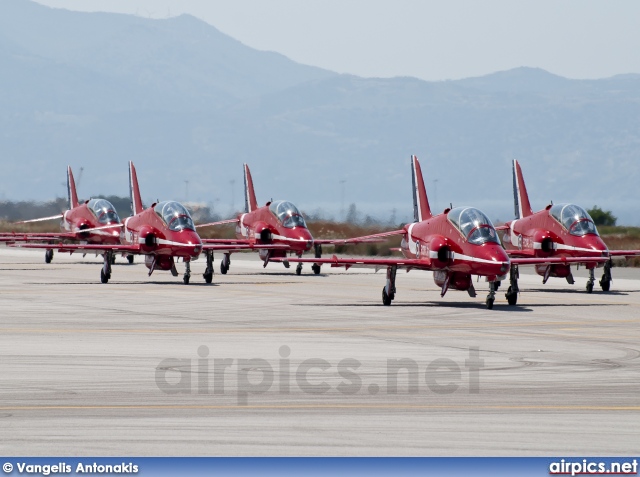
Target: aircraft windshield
174,215
104,211
288,214
474,225
574,218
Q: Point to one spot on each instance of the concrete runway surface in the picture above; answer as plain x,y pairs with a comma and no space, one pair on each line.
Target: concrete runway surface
136,366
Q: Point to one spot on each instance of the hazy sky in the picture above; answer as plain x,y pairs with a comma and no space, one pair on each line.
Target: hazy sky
432,40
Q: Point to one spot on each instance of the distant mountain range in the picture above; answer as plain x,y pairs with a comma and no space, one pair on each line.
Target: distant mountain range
188,103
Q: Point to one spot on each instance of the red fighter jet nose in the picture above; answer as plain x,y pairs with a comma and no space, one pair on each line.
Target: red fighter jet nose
595,243
185,243
194,239
305,239
496,259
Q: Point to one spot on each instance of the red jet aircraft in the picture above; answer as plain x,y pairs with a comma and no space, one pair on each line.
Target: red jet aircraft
162,233
559,230
95,221
455,245
275,230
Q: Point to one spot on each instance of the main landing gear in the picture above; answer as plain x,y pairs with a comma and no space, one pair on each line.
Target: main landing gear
389,290
187,273
130,259
605,281
315,267
513,290
225,264
48,256
105,273
208,273
491,297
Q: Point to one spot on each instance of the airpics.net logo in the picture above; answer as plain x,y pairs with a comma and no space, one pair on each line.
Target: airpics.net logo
591,467
258,376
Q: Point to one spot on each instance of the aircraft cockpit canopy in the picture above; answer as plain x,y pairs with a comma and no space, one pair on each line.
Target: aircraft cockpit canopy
104,211
474,225
287,213
574,219
174,215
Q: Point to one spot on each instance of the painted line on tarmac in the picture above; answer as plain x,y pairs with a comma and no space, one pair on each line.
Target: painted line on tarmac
322,406
458,326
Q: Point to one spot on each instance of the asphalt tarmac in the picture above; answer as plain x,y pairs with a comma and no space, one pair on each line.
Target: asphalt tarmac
264,362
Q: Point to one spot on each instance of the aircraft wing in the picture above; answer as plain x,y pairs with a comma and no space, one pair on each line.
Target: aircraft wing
84,248
377,263
226,241
35,237
220,222
521,253
239,247
557,260
59,216
624,253
381,237
44,236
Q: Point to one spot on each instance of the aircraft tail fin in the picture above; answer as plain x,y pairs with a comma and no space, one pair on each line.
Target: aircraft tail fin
134,191
72,194
250,202
421,209
522,205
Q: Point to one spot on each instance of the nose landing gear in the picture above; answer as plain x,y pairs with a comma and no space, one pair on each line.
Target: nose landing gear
491,297
187,273
591,280
105,272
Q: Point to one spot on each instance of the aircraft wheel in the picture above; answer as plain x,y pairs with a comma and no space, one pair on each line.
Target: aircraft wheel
223,269
208,277
48,256
299,269
130,259
103,277
512,298
386,299
489,303
316,268
185,279
589,287
497,285
113,259
606,285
